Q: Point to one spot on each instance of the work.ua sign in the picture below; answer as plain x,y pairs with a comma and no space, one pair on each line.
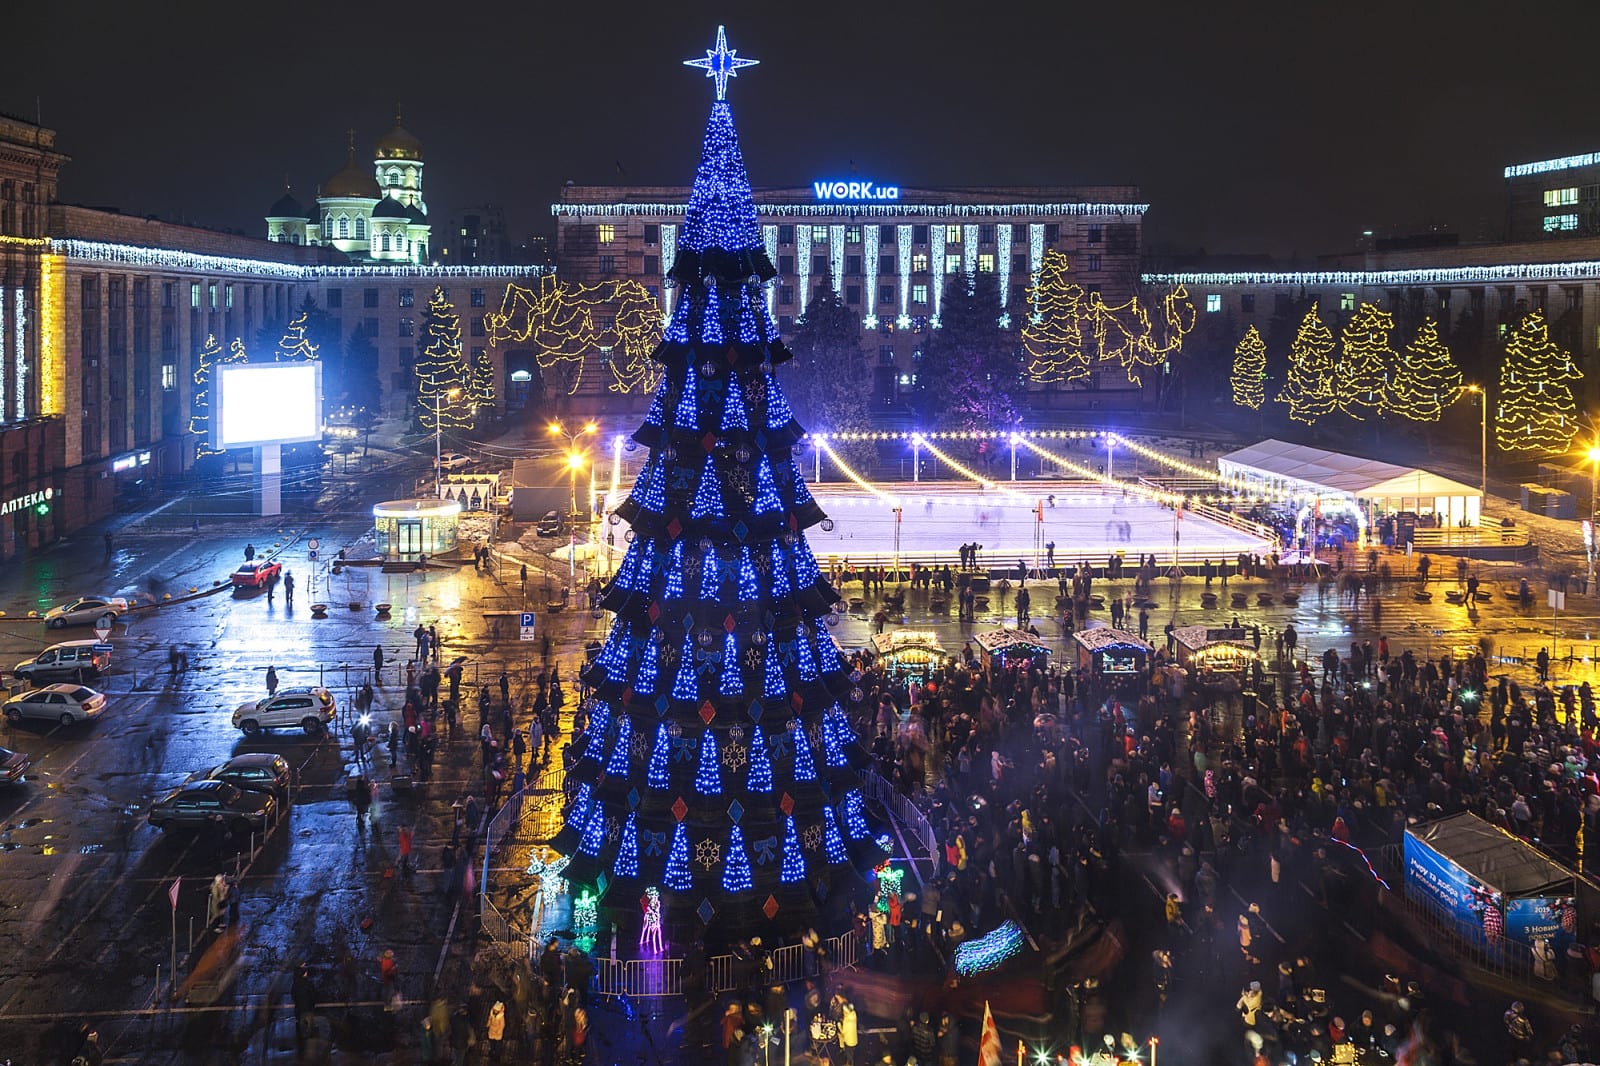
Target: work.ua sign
855,190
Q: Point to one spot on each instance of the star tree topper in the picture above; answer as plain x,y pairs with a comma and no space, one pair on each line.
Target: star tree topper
721,63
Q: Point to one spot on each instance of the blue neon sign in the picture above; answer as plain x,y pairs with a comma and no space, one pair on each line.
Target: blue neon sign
855,190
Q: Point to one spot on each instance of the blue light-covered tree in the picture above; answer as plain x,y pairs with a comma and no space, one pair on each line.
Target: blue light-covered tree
736,767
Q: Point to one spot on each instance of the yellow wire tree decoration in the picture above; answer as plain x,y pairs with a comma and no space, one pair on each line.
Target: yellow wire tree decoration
1070,330
568,323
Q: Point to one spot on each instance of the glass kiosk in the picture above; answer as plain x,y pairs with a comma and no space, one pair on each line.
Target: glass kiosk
405,530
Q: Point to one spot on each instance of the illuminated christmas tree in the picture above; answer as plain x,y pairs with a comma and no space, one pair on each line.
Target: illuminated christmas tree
719,764
1308,389
480,390
1249,375
200,403
296,347
442,377
1536,412
1053,336
1362,373
1426,377
200,406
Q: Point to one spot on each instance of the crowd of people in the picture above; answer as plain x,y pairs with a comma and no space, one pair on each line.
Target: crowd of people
1327,761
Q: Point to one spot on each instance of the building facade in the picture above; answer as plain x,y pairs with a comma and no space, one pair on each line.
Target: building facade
379,217
1553,199
103,317
887,251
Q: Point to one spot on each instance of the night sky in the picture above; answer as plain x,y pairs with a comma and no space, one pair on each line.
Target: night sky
1252,127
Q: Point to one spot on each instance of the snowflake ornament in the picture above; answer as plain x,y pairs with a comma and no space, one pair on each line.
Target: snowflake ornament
812,837
735,755
707,853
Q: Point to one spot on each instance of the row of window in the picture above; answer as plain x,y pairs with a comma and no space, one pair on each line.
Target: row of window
887,264
1560,223
1538,296
887,234
1561,197
408,326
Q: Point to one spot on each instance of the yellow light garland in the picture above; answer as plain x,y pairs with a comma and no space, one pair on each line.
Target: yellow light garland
844,469
963,471
560,319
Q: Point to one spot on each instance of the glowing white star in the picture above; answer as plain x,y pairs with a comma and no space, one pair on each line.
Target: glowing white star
721,63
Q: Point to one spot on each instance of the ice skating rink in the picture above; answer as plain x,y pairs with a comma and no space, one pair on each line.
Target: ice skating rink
1091,524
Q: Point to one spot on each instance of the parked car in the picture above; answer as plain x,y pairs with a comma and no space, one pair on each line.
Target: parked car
207,803
253,772
86,611
255,575
550,525
67,704
13,764
73,660
454,461
309,708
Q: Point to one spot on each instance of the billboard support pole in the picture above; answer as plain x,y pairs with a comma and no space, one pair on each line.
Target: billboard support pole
269,465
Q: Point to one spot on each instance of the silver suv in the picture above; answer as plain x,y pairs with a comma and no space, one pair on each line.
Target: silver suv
310,709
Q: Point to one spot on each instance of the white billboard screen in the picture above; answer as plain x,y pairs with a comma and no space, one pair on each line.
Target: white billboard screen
266,403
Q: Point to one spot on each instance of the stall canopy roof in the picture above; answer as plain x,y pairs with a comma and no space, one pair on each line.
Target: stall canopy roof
1348,474
1097,638
1494,856
994,640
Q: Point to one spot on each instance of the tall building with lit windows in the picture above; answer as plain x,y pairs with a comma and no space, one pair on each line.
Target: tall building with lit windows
1553,199
103,317
885,250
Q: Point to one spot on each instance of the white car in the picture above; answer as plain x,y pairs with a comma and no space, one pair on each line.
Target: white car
67,704
309,709
454,461
86,611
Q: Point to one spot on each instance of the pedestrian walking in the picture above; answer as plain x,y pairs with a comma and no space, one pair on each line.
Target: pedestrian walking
109,546
420,635
272,680
377,664
249,553
272,586
505,688
288,590
405,836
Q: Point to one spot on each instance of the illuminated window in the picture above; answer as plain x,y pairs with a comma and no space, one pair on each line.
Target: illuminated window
919,262
383,242
211,295
852,235
1561,197
986,262
952,234
227,296
344,226
952,263
169,377
408,327
361,227
1347,301
1560,223
608,233
919,294
1213,301
408,297
819,234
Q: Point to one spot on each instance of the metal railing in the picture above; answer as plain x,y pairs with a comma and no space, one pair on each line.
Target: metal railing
1501,956
495,830
900,805
654,978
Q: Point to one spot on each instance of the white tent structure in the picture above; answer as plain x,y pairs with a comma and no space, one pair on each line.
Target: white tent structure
1373,487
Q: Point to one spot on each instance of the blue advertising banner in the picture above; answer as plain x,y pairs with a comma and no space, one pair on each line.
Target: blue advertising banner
1552,918
1433,878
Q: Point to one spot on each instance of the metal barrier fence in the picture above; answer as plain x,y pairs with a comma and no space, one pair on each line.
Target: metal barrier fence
494,833
904,810
1501,956
653,978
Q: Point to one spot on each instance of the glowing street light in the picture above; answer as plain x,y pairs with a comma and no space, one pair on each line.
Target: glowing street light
438,431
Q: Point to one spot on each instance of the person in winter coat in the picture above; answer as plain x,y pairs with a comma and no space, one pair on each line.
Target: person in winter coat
496,1031
1249,1005
849,1032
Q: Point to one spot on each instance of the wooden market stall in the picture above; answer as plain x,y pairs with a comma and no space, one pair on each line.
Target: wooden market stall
999,648
1112,653
1212,654
908,653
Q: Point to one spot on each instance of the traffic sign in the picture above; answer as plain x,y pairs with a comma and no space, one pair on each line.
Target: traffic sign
313,543
527,623
102,628
102,648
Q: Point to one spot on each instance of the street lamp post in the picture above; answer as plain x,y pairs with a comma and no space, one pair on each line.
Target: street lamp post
1594,488
1483,446
575,462
438,433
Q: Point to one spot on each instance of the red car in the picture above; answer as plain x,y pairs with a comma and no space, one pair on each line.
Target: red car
256,575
